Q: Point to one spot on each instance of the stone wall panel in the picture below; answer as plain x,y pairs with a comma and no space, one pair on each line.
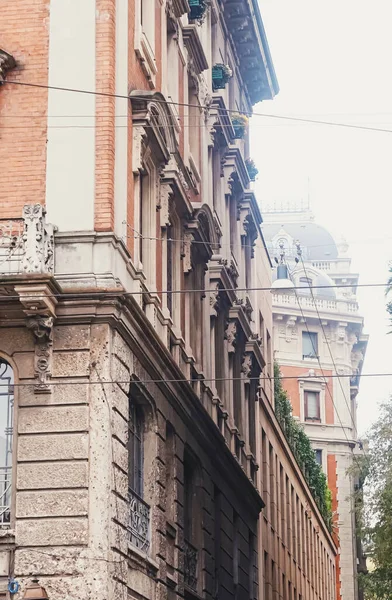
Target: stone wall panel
53,447
49,503
55,532
75,363
45,419
71,337
62,393
33,476
16,339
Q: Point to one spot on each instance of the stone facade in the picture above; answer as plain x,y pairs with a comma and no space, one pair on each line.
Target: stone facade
136,350
311,364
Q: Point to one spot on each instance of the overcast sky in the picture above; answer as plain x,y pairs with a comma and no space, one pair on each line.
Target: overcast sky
333,62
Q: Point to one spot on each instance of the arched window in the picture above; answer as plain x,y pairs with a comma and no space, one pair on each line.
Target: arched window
6,436
139,511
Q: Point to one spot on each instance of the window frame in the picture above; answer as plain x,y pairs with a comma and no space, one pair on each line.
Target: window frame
314,345
9,446
306,406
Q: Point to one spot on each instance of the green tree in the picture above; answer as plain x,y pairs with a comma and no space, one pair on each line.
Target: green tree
302,450
375,512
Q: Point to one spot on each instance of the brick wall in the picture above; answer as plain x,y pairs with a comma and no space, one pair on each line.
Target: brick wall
105,111
23,110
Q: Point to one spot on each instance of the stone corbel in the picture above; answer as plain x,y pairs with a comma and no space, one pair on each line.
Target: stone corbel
7,62
39,304
231,336
137,148
186,252
290,328
247,364
214,301
42,328
165,193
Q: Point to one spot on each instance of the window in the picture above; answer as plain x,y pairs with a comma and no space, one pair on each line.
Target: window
319,457
312,406
135,449
191,523
309,345
139,526
6,426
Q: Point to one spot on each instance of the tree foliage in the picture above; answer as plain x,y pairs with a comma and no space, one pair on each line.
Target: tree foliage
375,512
302,449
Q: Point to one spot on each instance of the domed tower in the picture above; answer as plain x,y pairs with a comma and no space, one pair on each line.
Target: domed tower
320,347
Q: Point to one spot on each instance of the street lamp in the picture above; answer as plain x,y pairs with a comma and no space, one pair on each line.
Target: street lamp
35,591
283,282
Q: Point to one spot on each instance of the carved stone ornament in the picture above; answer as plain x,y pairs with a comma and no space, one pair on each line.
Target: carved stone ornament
231,336
7,62
165,193
186,252
233,272
38,239
42,328
291,330
247,364
248,308
214,301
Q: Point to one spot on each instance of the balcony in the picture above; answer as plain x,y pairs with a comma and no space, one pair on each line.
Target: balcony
139,522
190,565
308,303
26,244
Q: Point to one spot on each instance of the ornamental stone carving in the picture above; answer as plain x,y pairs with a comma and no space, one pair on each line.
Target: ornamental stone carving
38,241
42,328
231,336
214,301
186,252
165,193
247,364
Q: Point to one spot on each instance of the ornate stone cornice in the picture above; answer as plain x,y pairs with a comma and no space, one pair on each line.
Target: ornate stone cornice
244,23
7,62
195,48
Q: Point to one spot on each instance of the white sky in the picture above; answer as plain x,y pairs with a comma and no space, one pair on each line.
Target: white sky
333,62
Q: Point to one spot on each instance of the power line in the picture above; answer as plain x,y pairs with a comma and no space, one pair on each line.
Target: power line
120,292
182,104
139,236
184,380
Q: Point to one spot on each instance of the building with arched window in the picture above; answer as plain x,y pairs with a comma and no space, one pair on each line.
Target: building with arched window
320,347
131,317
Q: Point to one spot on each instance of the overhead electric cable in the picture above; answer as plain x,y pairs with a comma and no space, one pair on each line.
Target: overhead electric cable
172,102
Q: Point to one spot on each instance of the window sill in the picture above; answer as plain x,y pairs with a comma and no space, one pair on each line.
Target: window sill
134,552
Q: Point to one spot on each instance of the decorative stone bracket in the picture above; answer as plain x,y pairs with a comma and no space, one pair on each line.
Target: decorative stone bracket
7,62
39,303
231,336
42,328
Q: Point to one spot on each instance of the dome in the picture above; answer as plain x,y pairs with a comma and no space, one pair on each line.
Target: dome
316,242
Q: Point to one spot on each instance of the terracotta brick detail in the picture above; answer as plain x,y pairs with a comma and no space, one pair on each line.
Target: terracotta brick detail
105,115
23,109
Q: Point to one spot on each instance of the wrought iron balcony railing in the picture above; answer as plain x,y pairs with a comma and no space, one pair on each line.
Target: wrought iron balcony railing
139,522
190,565
26,244
5,495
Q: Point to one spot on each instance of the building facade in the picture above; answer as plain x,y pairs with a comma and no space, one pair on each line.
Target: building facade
136,352
320,346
